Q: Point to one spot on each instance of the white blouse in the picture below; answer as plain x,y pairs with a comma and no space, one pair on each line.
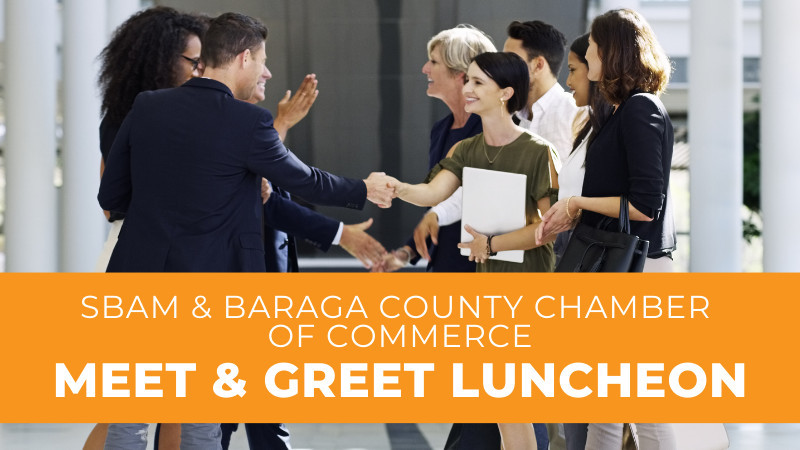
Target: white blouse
570,179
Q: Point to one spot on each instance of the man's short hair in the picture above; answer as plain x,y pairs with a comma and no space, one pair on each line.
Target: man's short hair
540,39
228,35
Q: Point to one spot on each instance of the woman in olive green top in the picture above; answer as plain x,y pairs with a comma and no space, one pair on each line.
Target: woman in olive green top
497,85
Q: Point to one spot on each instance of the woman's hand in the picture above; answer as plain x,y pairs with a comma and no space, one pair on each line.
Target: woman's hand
555,220
427,227
477,248
400,188
266,190
293,108
394,260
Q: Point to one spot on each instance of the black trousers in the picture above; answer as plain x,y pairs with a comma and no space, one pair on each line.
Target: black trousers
486,436
260,436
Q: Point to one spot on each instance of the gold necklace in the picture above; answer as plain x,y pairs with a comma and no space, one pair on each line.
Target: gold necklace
485,152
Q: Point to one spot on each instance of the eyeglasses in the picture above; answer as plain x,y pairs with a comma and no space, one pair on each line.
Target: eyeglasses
194,62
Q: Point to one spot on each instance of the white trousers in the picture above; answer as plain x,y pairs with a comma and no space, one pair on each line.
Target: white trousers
108,247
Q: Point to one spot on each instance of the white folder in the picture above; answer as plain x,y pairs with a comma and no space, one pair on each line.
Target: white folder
493,203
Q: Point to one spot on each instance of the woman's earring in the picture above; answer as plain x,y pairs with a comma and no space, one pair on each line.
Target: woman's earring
503,101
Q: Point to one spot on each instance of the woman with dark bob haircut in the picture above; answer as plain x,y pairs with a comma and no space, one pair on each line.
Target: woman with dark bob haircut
630,155
497,86
499,78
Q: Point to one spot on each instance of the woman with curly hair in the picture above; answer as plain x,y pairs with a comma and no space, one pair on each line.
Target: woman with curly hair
154,49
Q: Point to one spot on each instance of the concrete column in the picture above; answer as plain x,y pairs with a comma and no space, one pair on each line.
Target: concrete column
30,150
2,20
83,227
715,136
780,179
118,11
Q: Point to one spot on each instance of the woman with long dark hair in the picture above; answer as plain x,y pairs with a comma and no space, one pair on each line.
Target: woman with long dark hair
594,112
630,155
632,152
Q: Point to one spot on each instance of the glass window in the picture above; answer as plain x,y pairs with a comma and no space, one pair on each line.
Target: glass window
680,69
752,69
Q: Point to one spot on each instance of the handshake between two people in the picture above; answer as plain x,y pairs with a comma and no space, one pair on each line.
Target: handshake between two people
381,189
354,239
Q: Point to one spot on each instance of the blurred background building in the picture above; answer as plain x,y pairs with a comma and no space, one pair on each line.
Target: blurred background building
373,114
733,63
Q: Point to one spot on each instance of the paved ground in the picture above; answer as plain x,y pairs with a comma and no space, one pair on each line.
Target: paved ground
365,436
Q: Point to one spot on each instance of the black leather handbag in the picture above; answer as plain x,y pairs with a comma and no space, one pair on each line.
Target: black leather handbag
596,249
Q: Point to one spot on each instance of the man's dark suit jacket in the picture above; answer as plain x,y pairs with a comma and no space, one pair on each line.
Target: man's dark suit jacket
186,168
282,216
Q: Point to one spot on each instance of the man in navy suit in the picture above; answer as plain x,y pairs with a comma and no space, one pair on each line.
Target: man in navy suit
187,165
286,220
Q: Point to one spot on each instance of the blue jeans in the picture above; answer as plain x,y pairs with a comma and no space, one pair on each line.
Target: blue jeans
542,441
133,436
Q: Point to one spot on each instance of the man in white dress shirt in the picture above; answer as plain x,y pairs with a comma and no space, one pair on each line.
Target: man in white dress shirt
550,110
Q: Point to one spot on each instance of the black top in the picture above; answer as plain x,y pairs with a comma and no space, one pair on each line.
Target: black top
443,137
631,155
108,132
447,257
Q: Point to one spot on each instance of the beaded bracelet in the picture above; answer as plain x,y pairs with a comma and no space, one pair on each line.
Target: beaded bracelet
489,251
576,215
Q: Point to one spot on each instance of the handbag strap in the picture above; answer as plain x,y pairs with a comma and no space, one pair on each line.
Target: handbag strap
624,215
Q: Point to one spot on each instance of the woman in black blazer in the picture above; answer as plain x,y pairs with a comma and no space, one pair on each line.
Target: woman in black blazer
630,155
632,152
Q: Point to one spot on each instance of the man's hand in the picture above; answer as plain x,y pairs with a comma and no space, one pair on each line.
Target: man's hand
361,245
292,109
380,189
266,190
428,226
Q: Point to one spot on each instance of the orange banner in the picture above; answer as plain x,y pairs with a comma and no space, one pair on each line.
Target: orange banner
399,347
